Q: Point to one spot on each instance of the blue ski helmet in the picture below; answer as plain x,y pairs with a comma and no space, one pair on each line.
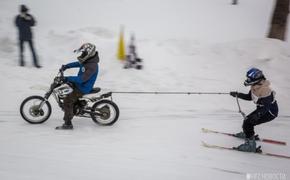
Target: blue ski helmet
254,76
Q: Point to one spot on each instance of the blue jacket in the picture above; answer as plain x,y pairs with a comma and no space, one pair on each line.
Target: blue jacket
87,74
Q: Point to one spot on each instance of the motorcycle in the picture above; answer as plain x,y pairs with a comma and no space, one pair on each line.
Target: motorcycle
101,109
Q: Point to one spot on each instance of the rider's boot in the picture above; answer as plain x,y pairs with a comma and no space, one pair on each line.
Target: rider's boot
65,126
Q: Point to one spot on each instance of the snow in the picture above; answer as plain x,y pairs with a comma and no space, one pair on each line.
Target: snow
187,45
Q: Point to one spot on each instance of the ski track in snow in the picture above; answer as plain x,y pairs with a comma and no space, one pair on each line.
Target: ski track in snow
157,144
161,148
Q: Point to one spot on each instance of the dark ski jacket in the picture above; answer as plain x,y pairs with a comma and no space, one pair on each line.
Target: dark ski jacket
87,75
24,26
265,105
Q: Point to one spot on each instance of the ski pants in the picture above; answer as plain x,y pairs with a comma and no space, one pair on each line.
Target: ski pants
250,122
21,47
69,103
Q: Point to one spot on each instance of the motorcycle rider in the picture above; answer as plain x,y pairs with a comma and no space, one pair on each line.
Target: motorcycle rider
82,83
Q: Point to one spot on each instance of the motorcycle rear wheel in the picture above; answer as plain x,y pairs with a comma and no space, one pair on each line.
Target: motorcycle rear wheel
108,109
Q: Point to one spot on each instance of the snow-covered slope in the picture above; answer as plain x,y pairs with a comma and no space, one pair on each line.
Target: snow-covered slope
188,45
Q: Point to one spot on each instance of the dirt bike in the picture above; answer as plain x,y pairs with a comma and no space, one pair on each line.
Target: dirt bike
37,109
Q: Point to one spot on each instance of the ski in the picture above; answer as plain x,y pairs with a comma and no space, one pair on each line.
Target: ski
256,137
233,149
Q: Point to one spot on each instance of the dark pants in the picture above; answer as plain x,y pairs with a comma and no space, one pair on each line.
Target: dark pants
21,46
69,102
249,123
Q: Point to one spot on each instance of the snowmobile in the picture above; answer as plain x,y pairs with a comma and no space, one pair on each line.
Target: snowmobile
101,109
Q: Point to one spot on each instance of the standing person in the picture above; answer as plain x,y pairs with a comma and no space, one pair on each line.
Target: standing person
24,22
267,107
132,59
132,55
82,83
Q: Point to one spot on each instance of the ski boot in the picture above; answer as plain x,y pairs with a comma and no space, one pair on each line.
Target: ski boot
242,135
65,127
248,146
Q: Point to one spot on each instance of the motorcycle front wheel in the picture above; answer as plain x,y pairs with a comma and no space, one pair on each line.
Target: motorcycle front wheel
108,112
31,111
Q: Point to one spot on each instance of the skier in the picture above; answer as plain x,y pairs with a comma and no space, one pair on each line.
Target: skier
82,83
24,22
267,107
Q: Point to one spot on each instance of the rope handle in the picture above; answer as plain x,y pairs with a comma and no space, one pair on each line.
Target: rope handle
240,111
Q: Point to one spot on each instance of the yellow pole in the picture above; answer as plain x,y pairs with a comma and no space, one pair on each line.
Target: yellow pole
121,48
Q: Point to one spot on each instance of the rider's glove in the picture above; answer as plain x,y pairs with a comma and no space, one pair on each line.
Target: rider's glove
63,68
60,79
234,93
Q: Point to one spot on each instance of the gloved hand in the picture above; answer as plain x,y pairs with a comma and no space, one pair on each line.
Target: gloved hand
60,79
63,68
234,93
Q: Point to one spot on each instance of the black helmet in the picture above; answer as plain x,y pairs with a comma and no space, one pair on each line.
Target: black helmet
87,51
254,76
23,8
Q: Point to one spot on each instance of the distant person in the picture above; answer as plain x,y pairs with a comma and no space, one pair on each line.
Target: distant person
267,107
132,59
24,22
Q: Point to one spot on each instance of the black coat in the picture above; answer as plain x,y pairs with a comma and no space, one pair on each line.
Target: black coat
264,104
24,27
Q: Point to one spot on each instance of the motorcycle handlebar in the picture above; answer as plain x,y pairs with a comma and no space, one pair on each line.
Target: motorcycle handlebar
61,72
